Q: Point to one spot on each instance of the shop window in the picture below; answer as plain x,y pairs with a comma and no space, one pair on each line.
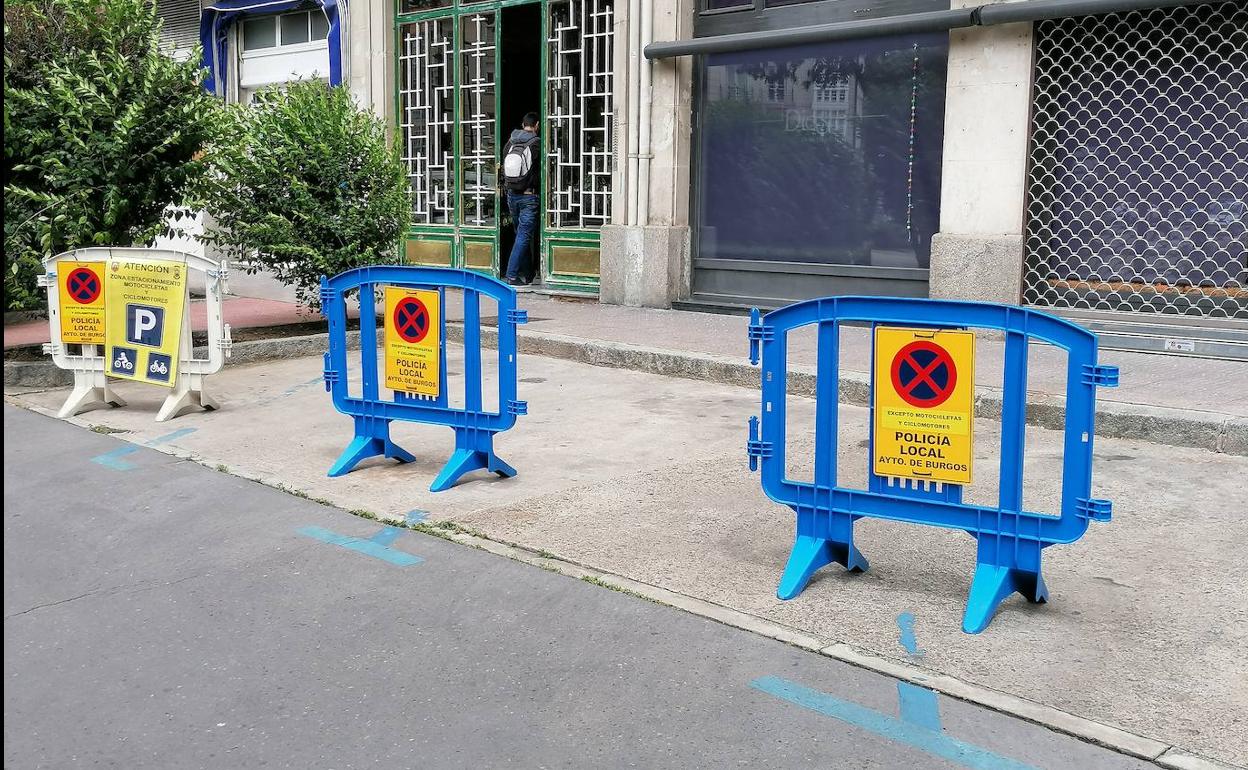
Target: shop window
846,171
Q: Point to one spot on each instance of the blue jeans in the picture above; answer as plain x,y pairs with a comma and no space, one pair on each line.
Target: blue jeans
524,218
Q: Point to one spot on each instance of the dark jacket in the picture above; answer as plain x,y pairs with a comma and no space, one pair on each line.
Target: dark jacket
520,136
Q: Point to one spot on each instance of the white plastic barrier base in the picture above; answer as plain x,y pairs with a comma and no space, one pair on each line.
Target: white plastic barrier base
92,388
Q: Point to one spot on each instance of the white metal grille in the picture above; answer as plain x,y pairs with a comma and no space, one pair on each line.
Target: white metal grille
427,118
579,113
477,107
1138,190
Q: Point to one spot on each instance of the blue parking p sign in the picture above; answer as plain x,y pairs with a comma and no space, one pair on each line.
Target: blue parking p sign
145,325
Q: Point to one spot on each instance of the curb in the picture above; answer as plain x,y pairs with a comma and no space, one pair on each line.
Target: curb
1104,734
1210,431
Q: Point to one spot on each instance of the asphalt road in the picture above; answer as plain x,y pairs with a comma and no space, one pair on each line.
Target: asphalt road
161,614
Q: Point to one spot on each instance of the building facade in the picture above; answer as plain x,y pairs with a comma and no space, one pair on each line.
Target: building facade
1087,157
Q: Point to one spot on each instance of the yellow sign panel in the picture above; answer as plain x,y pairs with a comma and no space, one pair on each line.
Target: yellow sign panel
924,404
413,340
143,329
81,291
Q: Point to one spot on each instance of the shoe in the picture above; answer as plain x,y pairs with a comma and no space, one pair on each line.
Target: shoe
516,282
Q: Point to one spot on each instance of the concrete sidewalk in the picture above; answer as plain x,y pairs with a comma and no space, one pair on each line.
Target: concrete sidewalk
644,477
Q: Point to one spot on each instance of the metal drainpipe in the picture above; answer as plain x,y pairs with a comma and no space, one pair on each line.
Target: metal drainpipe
647,110
634,89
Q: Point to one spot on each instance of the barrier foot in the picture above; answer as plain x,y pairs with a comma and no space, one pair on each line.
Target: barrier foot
86,397
991,585
364,446
466,461
811,553
184,400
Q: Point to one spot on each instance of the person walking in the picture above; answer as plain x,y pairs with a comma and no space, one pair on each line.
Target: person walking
521,179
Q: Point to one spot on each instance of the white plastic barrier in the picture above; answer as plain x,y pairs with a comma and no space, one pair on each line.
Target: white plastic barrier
91,386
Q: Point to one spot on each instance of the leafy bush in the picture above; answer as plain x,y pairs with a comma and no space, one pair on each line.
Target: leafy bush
100,131
304,183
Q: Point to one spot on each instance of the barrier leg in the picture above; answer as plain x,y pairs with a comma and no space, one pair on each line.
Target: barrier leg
91,391
991,585
474,451
372,438
187,396
809,554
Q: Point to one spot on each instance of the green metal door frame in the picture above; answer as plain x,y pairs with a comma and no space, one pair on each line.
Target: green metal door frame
568,274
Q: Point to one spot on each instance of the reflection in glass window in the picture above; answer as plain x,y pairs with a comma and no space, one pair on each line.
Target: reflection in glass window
320,25
294,28
827,153
259,33
719,5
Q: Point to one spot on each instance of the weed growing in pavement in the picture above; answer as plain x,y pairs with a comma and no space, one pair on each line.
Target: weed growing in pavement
621,589
106,430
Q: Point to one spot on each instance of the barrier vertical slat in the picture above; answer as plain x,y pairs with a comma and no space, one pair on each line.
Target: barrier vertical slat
472,350
774,393
1013,423
368,341
334,306
1080,410
827,394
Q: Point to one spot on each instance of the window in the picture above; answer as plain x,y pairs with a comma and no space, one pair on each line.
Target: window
287,29
831,94
821,159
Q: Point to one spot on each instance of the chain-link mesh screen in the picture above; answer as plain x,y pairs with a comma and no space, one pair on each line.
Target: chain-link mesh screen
1138,190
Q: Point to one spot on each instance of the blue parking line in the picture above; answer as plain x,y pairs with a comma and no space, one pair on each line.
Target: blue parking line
898,730
918,706
415,516
387,535
359,545
113,459
905,623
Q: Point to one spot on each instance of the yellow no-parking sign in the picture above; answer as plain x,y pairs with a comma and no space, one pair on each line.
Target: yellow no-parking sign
81,301
413,340
924,404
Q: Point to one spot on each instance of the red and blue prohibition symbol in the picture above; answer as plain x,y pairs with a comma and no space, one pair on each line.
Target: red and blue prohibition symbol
411,319
83,285
924,374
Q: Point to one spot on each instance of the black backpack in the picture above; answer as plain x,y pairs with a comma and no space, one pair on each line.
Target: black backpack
519,166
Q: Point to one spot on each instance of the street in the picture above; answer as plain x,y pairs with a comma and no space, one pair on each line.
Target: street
159,613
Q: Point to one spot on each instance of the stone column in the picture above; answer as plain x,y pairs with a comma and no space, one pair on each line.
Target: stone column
978,253
647,263
371,58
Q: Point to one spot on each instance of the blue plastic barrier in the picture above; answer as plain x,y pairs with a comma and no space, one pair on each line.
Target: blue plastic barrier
1010,539
474,427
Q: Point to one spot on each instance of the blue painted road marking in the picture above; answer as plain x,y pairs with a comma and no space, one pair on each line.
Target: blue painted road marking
415,516
905,622
113,459
387,535
918,706
366,547
898,730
